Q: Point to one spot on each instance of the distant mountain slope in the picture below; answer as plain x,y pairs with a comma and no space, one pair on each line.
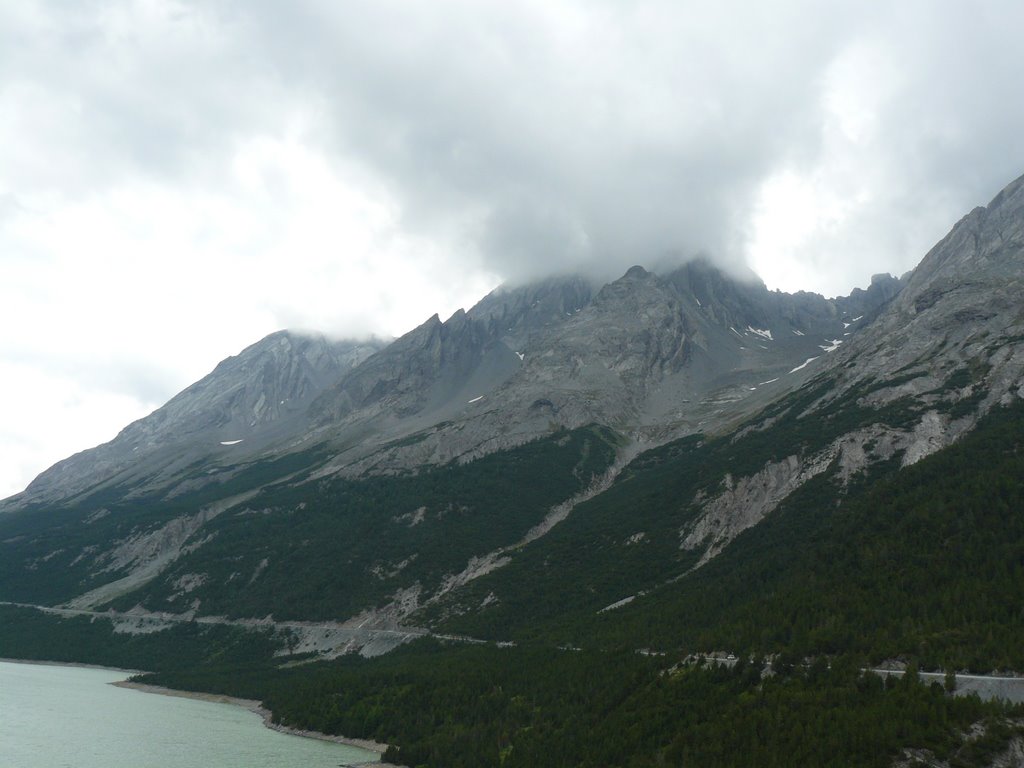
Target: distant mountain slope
248,401
961,313
946,352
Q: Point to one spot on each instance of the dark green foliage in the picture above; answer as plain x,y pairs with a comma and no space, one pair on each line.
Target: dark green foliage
330,549
585,563
307,550
928,562
44,551
535,707
26,633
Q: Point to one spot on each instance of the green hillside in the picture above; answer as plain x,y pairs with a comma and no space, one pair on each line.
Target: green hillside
924,564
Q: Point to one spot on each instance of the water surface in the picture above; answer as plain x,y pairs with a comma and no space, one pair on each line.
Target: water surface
70,717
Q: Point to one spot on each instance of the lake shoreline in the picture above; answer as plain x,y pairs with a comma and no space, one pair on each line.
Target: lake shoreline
47,663
250,704
106,727
257,707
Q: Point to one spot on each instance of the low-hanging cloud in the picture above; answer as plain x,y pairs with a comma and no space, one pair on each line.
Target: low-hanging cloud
579,136
565,137
536,137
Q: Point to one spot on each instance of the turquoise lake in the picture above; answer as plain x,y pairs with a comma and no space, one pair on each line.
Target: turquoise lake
71,717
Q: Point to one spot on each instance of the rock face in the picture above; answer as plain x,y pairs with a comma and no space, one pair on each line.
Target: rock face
654,356
518,315
436,364
743,504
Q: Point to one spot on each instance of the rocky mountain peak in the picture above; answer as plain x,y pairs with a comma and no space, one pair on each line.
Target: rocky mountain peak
635,287
636,272
517,314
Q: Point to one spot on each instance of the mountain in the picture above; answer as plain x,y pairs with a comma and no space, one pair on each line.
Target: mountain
255,398
651,359
675,463
555,372
651,356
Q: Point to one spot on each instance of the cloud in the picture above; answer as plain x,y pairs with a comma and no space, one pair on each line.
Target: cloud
569,136
916,129
535,137
544,137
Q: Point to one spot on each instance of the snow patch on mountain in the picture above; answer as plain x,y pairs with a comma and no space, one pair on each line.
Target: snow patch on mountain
804,364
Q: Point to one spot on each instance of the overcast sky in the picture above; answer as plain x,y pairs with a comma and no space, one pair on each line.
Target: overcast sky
178,179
